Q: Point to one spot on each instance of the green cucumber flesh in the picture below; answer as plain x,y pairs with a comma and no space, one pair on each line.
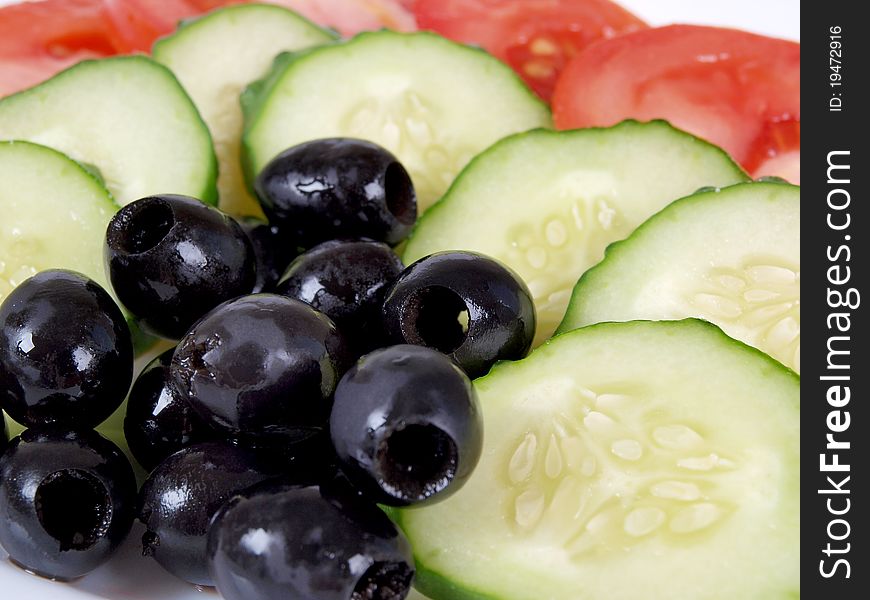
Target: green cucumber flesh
56,211
214,57
432,102
55,215
730,256
644,459
548,203
128,117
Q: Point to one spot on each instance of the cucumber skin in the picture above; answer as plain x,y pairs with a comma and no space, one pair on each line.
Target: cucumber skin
142,341
436,586
409,250
439,586
90,170
616,248
770,367
191,22
625,124
209,194
244,99
255,95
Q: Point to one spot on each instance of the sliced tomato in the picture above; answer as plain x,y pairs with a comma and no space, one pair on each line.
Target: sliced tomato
536,37
738,90
777,151
136,24
38,39
348,17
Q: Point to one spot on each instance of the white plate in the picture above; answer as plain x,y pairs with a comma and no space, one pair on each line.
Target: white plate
130,577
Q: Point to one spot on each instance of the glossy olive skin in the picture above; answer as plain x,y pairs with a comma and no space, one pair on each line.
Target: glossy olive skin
66,355
423,305
338,188
159,420
181,495
273,251
172,258
262,368
321,543
346,281
429,429
67,500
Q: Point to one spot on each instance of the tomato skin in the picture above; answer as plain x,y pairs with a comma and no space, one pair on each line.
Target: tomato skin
348,17
40,38
777,151
535,37
136,24
727,86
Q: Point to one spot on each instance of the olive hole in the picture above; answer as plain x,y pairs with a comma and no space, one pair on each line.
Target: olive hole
150,543
74,508
436,317
384,581
417,461
141,226
399,190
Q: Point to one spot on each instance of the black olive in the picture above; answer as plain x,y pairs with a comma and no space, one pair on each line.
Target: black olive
262,368
273,251
159,420
171,259
182,494
338,188
464,304
346,281
67,500
406,425
293,541
66,355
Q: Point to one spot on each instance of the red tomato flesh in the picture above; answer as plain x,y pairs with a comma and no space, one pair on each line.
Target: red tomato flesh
739,90
536,37
348,17
40,38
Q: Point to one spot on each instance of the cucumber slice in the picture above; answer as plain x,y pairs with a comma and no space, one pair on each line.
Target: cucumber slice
128,117
431,102
655,460
214,57
55,215
731,257
547,203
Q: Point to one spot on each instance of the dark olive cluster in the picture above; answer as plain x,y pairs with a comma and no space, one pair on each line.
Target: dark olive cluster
67,495
313,377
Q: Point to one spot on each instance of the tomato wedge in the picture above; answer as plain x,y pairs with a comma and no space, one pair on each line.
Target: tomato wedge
348,17
37,39
739,90
136,24
536,37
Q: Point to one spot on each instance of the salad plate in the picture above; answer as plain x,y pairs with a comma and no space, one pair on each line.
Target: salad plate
128,576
